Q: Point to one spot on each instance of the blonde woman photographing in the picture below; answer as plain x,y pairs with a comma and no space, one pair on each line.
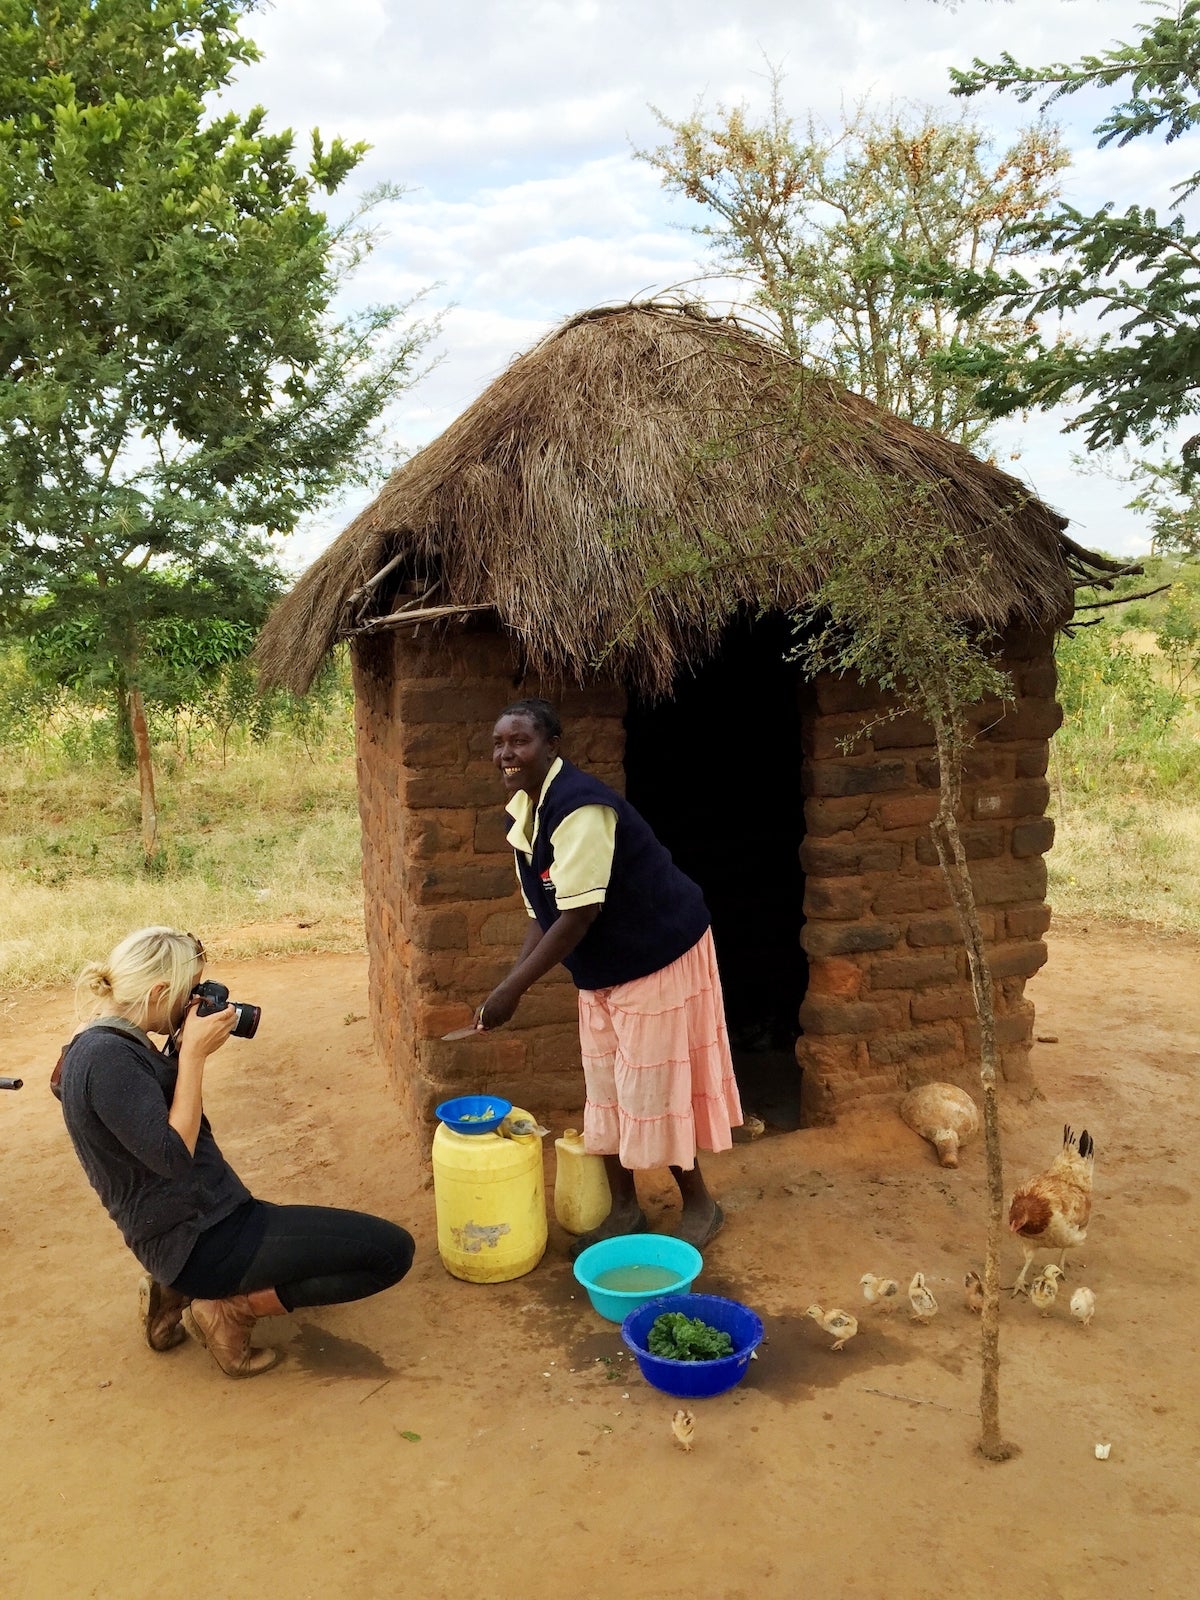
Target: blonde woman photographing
216,1258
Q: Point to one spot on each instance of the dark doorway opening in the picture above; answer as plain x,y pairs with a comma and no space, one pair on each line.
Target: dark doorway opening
715,770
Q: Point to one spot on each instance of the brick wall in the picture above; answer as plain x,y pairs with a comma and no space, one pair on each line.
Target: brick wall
888,1002
444,916
889,999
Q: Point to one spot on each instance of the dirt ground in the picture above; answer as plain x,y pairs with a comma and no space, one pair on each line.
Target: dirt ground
493,1442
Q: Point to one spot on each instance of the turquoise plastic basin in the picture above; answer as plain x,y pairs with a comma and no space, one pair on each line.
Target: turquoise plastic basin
635,1249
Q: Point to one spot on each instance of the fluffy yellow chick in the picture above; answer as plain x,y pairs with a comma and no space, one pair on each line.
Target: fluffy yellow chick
879,1291
920,1298
839,1323
973,1291
683,1426
1043,1291
1083,1306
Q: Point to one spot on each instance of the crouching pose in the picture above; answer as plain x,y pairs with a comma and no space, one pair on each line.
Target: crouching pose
216,1258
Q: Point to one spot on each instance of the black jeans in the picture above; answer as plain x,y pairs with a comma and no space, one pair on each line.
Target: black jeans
310,1256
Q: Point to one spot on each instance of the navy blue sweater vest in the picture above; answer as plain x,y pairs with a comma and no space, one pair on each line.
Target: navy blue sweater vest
652,913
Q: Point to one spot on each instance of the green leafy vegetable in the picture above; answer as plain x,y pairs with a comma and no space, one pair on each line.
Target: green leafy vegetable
678,1338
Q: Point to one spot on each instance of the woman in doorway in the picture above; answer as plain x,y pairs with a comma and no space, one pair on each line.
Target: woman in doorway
606,900
216,1259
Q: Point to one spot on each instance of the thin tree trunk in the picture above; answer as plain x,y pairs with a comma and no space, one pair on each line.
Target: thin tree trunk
948,843
125,746
145,772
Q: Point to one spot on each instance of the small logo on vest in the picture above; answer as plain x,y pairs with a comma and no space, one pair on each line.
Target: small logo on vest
548,884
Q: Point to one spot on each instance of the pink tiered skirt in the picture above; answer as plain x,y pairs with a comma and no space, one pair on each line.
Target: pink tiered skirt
657,1067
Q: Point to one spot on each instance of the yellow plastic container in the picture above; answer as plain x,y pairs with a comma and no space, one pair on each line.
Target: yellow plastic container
582,1197
490,1201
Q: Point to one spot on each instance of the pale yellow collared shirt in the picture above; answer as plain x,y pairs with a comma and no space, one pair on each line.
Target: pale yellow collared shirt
583,846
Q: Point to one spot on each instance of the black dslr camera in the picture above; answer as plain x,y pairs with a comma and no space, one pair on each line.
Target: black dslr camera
214,997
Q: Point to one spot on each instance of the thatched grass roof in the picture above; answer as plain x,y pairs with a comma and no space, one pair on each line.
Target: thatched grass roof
635,480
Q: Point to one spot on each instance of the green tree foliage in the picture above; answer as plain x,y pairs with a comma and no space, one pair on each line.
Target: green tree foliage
1137,272
838,230
176,387
1169,496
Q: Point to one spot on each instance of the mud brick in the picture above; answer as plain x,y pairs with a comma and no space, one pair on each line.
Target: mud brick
1019,960
553,1049
910,811
1006,882
831,1056
847,938
845,1016
979,764
444,789
913,972
938,1005
431,1019
436,745
827,815
822,738
1028,719
455,703
926,931
505,928
1033,838
1028,798
1009,1031
1033,761
841,898
844,778
979,843
898,1049
905,732
898,895
474,881
1039,680
491,827
1027,922
835,975
1030,644
467,977
443,929
431,834
847,693
820,858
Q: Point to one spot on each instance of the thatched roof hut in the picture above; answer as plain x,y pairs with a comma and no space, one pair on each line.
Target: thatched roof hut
625,438
632,510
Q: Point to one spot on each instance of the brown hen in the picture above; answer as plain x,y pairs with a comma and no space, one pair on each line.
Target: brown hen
1051,1212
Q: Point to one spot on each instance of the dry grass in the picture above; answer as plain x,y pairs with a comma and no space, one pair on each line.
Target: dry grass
1120,860
259,856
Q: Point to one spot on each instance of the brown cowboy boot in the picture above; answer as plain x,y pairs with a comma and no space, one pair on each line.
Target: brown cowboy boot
160,1311
223,1327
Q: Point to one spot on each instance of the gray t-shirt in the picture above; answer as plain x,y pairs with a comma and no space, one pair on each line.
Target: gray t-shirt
116,1095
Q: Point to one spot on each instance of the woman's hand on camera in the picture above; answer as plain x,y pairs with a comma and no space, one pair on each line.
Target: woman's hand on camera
204,1035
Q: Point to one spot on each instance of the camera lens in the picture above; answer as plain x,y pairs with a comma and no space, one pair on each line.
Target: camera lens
248,1017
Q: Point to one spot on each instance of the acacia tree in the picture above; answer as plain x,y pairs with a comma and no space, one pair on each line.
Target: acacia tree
176,388
1137,272
839,230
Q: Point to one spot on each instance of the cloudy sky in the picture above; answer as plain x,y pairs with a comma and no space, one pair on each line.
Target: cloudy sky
511,124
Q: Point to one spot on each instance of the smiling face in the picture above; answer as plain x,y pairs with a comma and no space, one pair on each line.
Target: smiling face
522,753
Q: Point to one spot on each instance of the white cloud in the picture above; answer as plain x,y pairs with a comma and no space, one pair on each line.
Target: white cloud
512,122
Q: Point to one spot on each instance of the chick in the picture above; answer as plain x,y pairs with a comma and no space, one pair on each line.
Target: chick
1043,1291
683,1426
973,1291
921,1299
879,1291
839,1323
1083,1306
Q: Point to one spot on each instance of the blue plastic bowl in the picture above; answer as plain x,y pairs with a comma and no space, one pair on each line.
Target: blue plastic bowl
451,1112
640,1250
693,1380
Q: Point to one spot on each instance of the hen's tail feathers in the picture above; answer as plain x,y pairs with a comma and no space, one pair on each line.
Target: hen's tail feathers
1087,1145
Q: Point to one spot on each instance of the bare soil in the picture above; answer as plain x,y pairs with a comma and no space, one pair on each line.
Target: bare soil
494,1442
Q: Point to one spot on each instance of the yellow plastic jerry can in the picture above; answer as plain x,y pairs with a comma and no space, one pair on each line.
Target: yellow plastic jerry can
490,1201
582,1197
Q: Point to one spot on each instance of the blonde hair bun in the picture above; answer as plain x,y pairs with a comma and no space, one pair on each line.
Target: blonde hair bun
151,956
